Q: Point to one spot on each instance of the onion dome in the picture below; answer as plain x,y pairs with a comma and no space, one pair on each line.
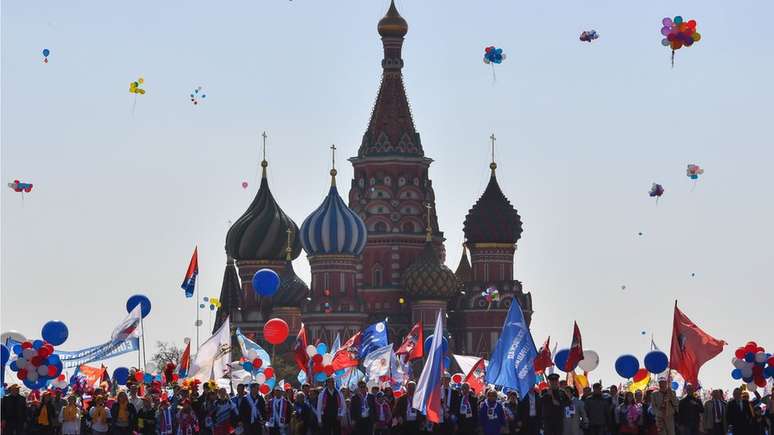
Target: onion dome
333,228
292,289
427,278
261,232
464,271
492,218
392,25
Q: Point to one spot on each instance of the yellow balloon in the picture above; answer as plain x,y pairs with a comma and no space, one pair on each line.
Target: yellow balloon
141,80
696,36
141,91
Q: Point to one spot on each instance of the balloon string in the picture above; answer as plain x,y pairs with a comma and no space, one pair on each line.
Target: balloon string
134,105
694,185
673,58
494,76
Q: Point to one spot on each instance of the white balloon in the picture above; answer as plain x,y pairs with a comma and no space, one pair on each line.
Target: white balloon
590,360
311,351
252,354
327,359
42,370
32,375
21,363
760,357
30,353
738,363
751,387
260,378
15,335
746,371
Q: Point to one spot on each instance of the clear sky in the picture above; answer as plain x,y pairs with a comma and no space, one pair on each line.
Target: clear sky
125,187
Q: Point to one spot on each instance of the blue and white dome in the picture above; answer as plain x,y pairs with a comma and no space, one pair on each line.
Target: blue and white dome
333,228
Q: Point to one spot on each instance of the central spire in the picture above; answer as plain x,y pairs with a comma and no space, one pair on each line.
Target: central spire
391,131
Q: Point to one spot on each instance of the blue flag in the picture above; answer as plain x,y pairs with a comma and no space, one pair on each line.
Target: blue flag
513,361
373,337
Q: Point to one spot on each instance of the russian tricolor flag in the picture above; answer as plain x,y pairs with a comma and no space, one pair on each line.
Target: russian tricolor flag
189,282
427,396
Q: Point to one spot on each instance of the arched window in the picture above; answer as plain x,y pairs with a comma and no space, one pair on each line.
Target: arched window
408,227
380,227
376,276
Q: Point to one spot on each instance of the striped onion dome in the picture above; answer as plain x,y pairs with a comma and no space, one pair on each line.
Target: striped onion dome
333,228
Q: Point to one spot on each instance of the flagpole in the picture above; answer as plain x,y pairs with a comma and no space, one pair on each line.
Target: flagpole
144,354
196,306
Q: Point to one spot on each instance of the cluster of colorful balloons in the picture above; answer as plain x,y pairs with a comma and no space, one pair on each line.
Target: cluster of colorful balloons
18,186
678,34
693,171
491,294
752,365
322,361
36,363
628,366
589,362
136,86
589,35
214,303
46,52
196,94
656,190
266,282
493,55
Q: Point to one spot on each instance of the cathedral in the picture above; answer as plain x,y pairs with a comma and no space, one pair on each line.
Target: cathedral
380,254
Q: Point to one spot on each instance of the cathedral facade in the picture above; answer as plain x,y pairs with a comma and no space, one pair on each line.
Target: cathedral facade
379,254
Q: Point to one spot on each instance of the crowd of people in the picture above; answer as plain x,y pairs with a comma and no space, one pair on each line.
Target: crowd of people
558,409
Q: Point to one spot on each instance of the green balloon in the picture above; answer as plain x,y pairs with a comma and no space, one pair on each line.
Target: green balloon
678,19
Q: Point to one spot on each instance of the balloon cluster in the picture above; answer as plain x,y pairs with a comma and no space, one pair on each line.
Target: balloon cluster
18,186
136,86
493,55
589,362
491,294
214,303
628,366
656,190
322,361
264,376
753,365
589,35
678,34
693,171
46,52
36,363
196,94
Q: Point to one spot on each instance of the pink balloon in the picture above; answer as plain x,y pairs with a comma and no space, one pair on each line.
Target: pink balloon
244,185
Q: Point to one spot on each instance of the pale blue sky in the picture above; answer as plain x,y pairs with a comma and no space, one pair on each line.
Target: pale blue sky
121,199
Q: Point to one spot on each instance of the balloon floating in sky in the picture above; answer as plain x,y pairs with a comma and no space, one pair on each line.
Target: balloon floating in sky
656,190
491,294
18,186
693,171
46,52
244,185
493,55
640,233
196,95
136,87
623,287
678,34
589,35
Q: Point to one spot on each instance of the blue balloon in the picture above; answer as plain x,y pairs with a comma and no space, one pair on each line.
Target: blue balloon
121,375
13,366
40,383
675,385
656,361
46,52
266,282
626,366
736,374
749,357
271,382
17,349
248,366
134,300
340,372
768,372
560,359
748,380
322,348
4,355
55,332
53,359
147,378
37,344
444,345
320,377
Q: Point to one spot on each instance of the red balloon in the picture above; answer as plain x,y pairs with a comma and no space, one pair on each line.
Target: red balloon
175,377
22,374
751,344
640,375
275,331
26,345
257,363
542,386
456,378
397,394
52,371
740,353
317,367
757,371
37,360
328,370
264,389
61,378
760,381
288,387
751,347
771,361
759,349
269,372
317,358
138,376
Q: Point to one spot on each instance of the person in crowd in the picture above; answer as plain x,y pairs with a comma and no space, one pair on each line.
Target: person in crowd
304,420
251,410
99,415
714,416
464,408
146,417
70,416
664,407
124,415
134,398
58,403
240,396
738,413
597,410
407,418
511,408
448,396
759,424
361,410
689,412
186,420
491,415
223,414
44,415
648,420
575,417
530,414
553,403
13,411
628,415
330,408
382,415
279,411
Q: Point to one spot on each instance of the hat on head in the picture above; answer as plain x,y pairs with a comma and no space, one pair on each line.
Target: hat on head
553,377
12,387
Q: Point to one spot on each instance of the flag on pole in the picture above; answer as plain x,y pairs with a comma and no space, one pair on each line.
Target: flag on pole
576,350
184,365
373,337
129,327
346,356
413,344
427,396
299,349
214,355
512,364
377,364
691,347
475,377
189,282
543,360
246,345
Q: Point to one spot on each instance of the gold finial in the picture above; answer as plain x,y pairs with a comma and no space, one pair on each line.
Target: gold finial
333,165
264,163
289,249
429,229
493,165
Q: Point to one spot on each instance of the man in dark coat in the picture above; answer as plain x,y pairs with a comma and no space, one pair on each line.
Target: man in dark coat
252,411
689,411
448,396
597,410
554,401
738,414
408,418
14,411
530,414
362,409
464,408
330,409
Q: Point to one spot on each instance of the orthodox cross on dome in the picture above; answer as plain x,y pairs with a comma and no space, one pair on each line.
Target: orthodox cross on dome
289,250
493,165
429,229
333,165
264,163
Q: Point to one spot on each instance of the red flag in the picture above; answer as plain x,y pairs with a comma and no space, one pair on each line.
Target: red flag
299,350
576,350
189,281
185,361
691,347
543,360
476,376
413,344
346,356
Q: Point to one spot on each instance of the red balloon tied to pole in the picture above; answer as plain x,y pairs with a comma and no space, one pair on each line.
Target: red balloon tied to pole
269,372
275,331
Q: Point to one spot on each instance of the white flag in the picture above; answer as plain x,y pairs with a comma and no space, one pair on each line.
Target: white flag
213,358
130,326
